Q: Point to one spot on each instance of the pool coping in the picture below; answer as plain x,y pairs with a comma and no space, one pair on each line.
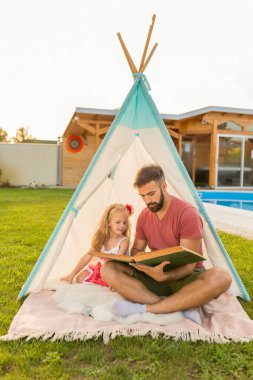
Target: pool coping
232,220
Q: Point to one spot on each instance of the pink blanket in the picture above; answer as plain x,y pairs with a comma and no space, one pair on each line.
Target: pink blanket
223,320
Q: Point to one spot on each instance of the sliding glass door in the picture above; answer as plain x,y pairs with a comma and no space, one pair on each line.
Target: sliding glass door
248,162
234,161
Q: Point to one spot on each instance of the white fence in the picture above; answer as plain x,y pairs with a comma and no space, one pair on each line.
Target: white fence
23,163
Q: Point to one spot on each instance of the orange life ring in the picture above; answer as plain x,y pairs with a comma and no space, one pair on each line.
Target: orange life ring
74,143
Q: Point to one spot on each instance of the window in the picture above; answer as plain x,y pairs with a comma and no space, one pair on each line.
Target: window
249,128
229,126
196,158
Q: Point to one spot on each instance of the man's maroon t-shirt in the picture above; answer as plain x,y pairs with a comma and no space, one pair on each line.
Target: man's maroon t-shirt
181,221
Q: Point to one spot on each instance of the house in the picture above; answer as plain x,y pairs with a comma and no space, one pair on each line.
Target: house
215,143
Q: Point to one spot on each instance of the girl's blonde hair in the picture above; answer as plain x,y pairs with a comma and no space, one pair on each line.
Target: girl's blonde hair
103,232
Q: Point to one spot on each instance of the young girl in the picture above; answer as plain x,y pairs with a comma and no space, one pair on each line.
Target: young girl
112,236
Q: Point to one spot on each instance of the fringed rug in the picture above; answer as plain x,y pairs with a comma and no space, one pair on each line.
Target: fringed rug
62,314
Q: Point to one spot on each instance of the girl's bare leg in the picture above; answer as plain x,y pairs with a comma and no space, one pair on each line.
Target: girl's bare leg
82,275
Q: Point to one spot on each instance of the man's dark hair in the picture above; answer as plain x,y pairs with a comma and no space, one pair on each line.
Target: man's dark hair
149,173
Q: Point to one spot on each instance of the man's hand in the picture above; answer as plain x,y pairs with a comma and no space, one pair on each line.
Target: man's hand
156,272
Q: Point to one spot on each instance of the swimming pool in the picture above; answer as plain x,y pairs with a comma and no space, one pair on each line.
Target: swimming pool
237,199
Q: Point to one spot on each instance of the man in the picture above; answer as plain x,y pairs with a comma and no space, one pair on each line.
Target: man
166,221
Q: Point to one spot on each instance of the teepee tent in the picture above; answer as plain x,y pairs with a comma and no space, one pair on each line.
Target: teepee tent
137,137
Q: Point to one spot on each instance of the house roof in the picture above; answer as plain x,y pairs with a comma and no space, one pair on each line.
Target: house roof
107,115
186,115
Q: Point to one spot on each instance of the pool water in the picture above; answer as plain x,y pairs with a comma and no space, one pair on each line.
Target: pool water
237,199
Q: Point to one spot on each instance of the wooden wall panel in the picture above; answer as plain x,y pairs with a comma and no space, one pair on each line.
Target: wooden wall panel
75,164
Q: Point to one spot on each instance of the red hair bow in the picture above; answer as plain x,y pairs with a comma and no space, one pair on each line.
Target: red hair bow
130,209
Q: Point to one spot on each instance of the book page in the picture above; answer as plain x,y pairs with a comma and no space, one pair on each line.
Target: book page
161,252
113,256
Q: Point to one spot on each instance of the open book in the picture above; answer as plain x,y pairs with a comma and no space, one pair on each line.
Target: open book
177,256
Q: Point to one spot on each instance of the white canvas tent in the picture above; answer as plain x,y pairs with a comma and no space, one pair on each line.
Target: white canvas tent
137,136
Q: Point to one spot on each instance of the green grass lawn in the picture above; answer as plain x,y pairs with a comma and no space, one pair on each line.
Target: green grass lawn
27,218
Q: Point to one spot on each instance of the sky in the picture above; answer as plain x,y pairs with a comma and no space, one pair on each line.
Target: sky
56,55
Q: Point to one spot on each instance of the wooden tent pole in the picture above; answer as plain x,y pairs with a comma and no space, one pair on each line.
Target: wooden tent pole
128,56
147,42
148,59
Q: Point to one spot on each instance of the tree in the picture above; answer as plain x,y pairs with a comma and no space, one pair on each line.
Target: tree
22,135
3,135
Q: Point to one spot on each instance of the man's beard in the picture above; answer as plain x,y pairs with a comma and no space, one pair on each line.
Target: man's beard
156,206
